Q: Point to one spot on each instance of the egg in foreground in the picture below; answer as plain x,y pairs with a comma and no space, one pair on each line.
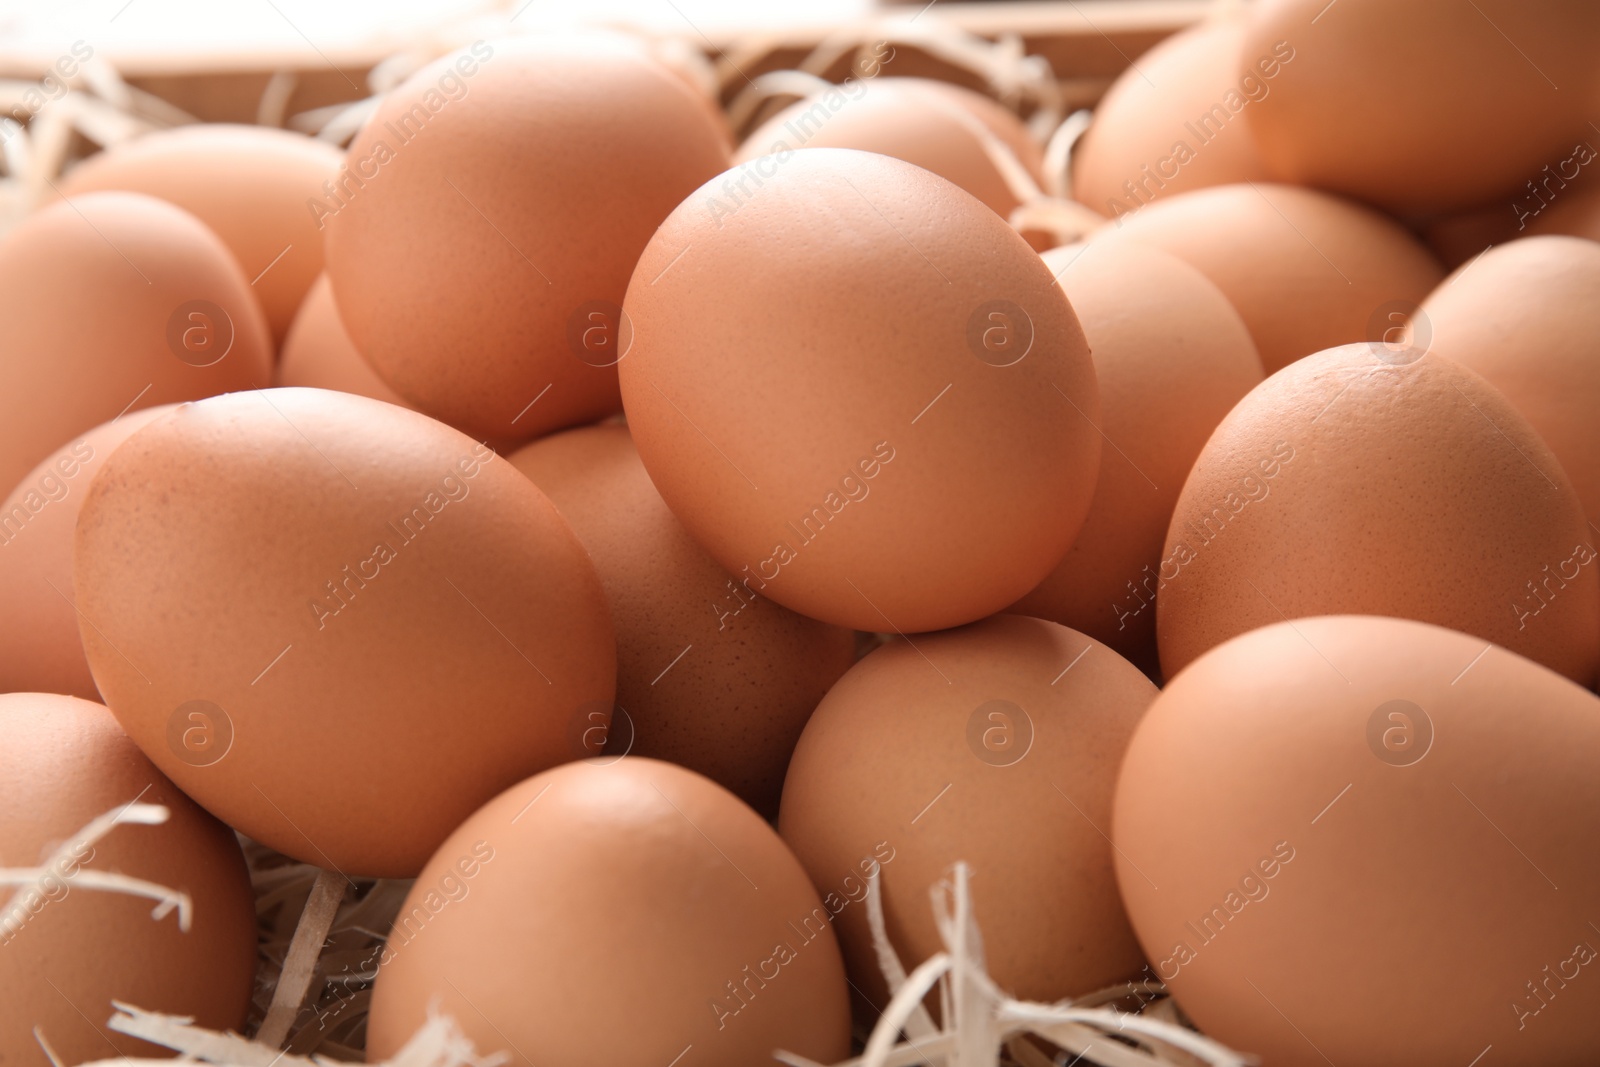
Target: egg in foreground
996,744
373,622
68,948
627,913
1366,840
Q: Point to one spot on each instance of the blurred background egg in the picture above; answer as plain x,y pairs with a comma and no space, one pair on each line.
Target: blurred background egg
40,650
1576,215
996,744
1381,480
647,912
1424,106
861,389
250,184
1172,357
378,622
1365,840
962,136
1526,316
710,675
1305,271
1170,122
115,302
1562,199
319,354
480,240
69,947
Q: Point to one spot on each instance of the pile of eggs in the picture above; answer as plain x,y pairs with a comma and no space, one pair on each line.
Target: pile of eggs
644,543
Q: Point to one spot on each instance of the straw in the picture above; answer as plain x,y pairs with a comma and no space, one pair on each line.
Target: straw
34,883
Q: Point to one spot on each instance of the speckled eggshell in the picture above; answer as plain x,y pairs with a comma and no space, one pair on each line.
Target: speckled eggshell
68,949
710,675
890,425
374,623
951,131
1423,106
98,296
480,239
1166,126
1306,271
1366,840
1172,357
251,184
628,913
319,354
40,650
1526,316
996,744
1379,480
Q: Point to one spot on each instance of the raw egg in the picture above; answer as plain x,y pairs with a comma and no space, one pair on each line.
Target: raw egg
40,650
319,354
628,913
710,675
1526,316
1172,357
115,302
1366,840
71,941
252,185
1306,271
1381,479
996,744
1423,106
891,424
962,136
481,235
1170,122
338,624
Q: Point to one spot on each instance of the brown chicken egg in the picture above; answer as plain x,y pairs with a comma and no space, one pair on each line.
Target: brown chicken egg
40,650
956,133
710,675
1172,122
891,424
629,913
1526,316
1172,357
480,238
251,184
1366,840
1563,199
1423,106
371,621
114,302
1576,215
1459,237
319,354
1305,271
996,744
1380,479
71,940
